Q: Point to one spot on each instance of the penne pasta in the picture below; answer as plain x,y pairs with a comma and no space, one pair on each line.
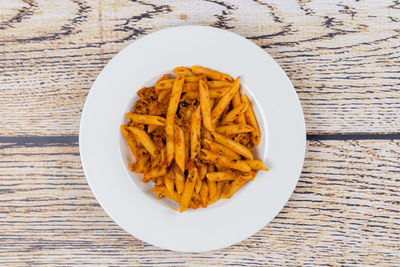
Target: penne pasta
224,101
179,179
211,74
213,93
204,194
224,161
230,189
252,121
220,149
165,84
236,114
129,139
190,141
144,139
205,105
195,128
169,123
236,103
193,79
202,172
153,173
233,129
183,71
219,84
180,147
146,119
140,165
217,193
169,183
256,165
235,146
187,87
188,190
198,185
165,192
226,176
212,189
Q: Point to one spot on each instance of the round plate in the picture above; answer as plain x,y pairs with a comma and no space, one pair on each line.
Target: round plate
122,194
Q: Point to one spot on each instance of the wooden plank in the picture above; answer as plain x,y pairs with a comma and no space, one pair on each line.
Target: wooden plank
342,58
345,210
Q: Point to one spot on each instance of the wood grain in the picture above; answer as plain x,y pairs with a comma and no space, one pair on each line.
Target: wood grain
342,57
345,210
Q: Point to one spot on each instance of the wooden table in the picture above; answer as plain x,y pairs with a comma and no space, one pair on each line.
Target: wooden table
343,59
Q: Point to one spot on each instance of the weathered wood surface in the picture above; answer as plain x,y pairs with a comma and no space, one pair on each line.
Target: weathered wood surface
342,57
345,210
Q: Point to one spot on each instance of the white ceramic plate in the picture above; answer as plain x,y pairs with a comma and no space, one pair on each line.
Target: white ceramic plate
105,155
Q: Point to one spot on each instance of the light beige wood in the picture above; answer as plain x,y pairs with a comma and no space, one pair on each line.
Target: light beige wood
342,57
345,210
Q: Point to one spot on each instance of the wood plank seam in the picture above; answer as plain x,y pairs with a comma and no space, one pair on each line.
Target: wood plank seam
71,140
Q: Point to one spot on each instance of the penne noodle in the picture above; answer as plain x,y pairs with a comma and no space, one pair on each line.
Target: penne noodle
230,189
217,193
144,139
205,105
220,149
236,113
198,186
193,136
236,103
183,71
130,140
212,189
169,183
235,146
218,84
205,133
195,202
226,176
252,121
202,172
188,189
195,128
187,144
218,92
163,155
146,119
169,123
179,179
212,102
193,79
224,161
165,84
213,93
233,129
180,147
164,191
256,165
153,173
187,87
140,165
211,74
204,194
224,101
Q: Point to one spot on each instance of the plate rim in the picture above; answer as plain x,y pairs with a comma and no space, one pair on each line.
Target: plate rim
92,91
